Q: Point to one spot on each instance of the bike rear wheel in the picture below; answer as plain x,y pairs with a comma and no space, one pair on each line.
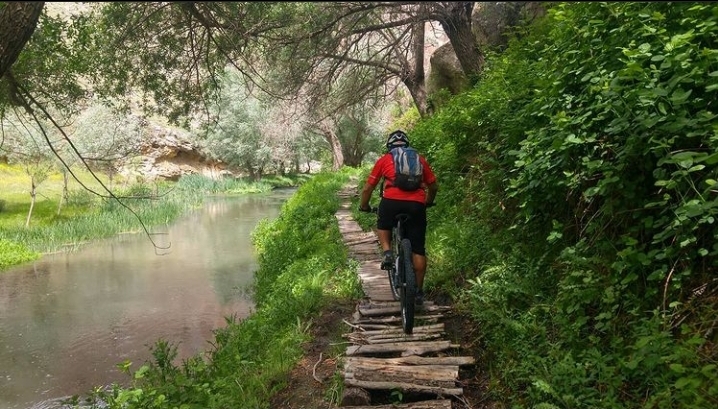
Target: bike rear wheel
407,287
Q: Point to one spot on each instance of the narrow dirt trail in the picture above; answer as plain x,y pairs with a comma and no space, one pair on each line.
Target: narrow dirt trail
421,370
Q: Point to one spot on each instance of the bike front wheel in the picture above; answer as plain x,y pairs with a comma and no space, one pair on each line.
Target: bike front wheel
407,287
394,281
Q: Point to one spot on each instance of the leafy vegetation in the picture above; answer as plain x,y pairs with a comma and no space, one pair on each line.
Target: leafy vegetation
576,217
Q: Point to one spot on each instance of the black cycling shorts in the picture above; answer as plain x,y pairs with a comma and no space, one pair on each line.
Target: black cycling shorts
415,226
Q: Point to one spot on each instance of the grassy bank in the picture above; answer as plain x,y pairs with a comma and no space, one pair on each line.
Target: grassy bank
58,223
303,267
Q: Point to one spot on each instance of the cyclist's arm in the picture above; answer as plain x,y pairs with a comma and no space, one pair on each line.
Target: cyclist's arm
430,179
366,195
431,190
371,182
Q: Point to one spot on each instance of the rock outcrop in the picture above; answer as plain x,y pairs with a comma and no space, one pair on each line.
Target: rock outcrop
169,153
491,23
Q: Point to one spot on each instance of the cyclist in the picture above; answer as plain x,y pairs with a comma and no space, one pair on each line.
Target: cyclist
395,201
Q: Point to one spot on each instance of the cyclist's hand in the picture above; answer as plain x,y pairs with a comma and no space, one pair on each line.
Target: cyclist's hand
430,204
366,209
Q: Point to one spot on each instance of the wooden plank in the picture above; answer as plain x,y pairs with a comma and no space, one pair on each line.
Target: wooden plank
389,310
397,338
424,328
415,360
415,348
407,387
362,240
358,319
436,375
383,334
425,404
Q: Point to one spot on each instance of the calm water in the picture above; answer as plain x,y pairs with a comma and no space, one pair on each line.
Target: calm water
68,319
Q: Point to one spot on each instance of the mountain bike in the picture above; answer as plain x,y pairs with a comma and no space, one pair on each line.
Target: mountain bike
402,279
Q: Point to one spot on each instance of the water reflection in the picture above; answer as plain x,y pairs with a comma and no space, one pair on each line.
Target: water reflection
68,319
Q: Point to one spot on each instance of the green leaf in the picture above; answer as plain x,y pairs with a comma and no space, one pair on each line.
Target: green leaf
662,108
710,159
679,95
678,368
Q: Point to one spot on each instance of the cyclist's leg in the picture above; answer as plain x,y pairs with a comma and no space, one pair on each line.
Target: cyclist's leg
419,261
416,233
384,223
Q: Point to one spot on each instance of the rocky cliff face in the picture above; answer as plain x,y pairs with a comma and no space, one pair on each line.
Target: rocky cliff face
169,153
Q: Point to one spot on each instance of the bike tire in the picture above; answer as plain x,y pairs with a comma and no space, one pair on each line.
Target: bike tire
393,282
393,273
408,287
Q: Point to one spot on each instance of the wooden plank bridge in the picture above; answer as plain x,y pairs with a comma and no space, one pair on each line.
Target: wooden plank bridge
422,366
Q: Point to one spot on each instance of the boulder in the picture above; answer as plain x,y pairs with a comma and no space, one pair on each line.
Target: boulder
491,23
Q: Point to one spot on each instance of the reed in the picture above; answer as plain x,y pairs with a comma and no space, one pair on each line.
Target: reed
85,216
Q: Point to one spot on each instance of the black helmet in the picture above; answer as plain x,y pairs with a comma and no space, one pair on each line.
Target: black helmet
397,138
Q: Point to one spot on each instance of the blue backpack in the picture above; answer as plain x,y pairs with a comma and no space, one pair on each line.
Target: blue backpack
408,168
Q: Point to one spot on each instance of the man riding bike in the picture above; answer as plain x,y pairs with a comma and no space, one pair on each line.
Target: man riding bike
395,201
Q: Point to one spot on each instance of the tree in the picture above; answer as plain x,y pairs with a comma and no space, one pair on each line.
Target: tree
234,136
24,143
105,138
174,52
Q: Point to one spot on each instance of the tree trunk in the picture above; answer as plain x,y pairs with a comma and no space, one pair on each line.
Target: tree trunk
456,22
17,23
63,196
33,193
418,94
415,79
334,144
337,155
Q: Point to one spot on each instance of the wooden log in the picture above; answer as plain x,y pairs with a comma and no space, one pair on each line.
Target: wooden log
415,360
406,387
384,339
358,319
358,240
425,404
415,348
418,329
434,375
390,310
355,396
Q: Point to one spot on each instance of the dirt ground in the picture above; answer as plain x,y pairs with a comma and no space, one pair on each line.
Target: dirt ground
313,382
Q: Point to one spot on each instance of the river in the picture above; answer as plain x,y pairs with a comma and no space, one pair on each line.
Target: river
68,319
